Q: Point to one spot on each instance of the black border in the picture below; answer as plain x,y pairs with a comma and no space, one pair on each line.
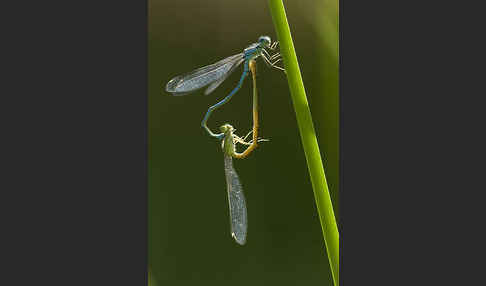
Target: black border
408,129
75,109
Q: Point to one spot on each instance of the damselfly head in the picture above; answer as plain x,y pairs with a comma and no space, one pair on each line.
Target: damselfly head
226,128
265,41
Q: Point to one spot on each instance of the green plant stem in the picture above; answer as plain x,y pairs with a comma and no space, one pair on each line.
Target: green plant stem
308,136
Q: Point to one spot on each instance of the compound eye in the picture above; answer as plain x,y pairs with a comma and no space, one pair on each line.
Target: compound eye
265,40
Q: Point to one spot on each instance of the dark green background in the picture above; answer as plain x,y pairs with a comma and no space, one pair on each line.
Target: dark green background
189,234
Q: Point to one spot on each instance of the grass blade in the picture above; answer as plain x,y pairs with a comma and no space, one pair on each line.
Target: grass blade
308,137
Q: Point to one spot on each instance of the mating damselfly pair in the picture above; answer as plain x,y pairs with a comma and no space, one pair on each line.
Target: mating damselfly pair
213,75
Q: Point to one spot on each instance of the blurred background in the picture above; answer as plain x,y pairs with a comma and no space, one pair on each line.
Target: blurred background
189,231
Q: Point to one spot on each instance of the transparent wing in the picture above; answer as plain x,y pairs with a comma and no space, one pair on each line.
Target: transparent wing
215,84
237,204
201,77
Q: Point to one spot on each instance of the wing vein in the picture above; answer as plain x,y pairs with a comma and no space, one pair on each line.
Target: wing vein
203,76
236,201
